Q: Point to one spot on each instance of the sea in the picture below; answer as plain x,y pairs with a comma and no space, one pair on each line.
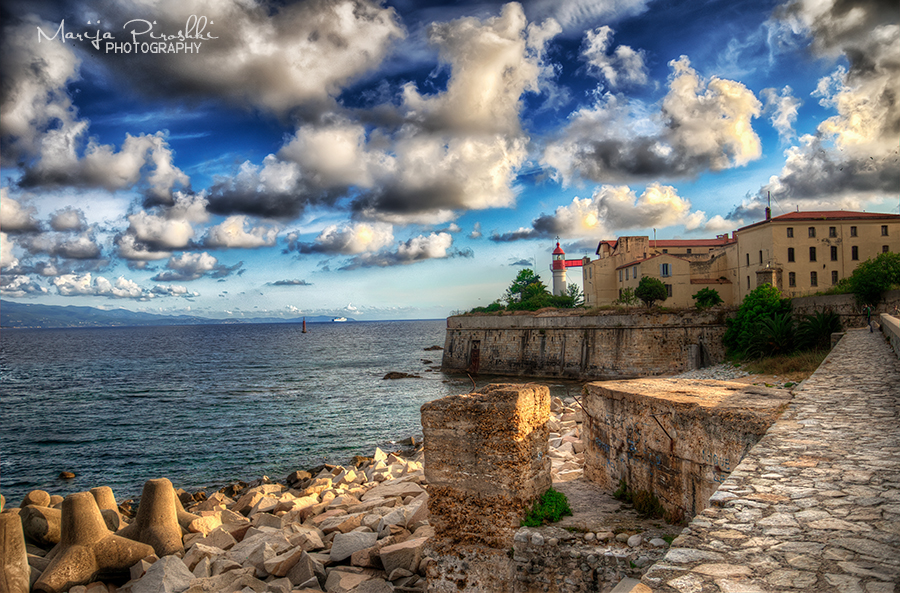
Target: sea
208,405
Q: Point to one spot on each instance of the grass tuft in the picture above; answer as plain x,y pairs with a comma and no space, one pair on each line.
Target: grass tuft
550,507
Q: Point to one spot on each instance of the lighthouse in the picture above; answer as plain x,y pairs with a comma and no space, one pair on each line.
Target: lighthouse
559,270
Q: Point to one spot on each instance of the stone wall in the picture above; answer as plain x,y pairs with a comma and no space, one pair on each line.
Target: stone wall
845,306
677,439
890,326
486,461
570,344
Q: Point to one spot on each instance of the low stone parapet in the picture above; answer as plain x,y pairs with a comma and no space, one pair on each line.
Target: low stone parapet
890,326
674,439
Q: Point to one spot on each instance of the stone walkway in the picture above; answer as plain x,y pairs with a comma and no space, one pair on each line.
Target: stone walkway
815,505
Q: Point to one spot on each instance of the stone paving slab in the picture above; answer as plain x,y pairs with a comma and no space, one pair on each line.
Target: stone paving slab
815,505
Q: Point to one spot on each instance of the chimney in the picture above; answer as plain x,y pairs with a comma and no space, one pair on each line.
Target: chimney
768,213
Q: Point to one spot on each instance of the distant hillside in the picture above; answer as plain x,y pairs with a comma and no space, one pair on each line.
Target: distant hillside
28,315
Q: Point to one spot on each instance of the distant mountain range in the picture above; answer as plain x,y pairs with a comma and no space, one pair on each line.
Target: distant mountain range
26,315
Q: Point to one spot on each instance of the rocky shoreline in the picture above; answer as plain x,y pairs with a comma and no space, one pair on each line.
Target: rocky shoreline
361,527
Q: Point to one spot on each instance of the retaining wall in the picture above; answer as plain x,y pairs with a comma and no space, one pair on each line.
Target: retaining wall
890,326
844,305
564,344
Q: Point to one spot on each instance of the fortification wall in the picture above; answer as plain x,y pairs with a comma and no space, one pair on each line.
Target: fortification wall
564,344
844,305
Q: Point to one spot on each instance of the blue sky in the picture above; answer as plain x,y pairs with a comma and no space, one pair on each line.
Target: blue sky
404,159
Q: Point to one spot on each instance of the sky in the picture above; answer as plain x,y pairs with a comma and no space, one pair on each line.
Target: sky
405,160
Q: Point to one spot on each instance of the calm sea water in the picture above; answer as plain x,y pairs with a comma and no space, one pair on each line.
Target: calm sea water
206,405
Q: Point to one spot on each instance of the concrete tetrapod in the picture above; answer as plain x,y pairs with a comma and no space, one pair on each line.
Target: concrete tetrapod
108,508
87,548
15,573
156,522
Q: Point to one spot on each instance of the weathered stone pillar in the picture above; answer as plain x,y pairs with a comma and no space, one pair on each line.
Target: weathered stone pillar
486,460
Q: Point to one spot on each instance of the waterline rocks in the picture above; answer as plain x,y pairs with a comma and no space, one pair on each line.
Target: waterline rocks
356,528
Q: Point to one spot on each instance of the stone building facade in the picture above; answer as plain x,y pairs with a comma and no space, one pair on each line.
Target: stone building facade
801,253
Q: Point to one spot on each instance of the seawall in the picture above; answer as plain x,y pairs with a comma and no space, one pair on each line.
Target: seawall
573,345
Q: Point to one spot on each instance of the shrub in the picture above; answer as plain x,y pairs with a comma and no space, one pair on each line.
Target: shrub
492,308
814,331
763,303
651,290
706,298
627,298
551,506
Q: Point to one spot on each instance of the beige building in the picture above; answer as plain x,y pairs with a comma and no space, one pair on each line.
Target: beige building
800,252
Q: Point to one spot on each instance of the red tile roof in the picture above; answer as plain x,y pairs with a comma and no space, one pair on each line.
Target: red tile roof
823,215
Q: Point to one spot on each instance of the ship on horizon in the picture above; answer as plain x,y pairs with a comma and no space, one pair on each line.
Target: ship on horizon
339,319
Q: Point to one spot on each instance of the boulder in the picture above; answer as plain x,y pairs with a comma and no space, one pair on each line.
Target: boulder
344,582
305,570
167,575
406,555
199,551
393,488
281,564
345,544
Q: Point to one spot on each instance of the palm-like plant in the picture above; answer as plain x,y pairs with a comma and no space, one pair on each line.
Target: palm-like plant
772,336
814,331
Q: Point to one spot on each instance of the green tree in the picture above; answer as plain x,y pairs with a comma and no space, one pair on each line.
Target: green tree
764,302
575,293
651,290
706,298
873,277
516,291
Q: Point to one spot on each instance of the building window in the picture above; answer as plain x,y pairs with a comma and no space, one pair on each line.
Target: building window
665,270
853,231
790,254
834,277
790,232
884,249
854,253
884,230
833,253
620,275
813,279
748,282
832,231
620,294
792,279
812,254
760,256
748,259
665,251
634,272
626,273
812,232
668,290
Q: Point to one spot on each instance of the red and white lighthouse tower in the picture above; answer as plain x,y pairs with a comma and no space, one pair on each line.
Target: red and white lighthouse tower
559,270
559,265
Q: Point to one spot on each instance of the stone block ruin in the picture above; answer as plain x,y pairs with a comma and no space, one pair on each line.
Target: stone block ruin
676,439
486,461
